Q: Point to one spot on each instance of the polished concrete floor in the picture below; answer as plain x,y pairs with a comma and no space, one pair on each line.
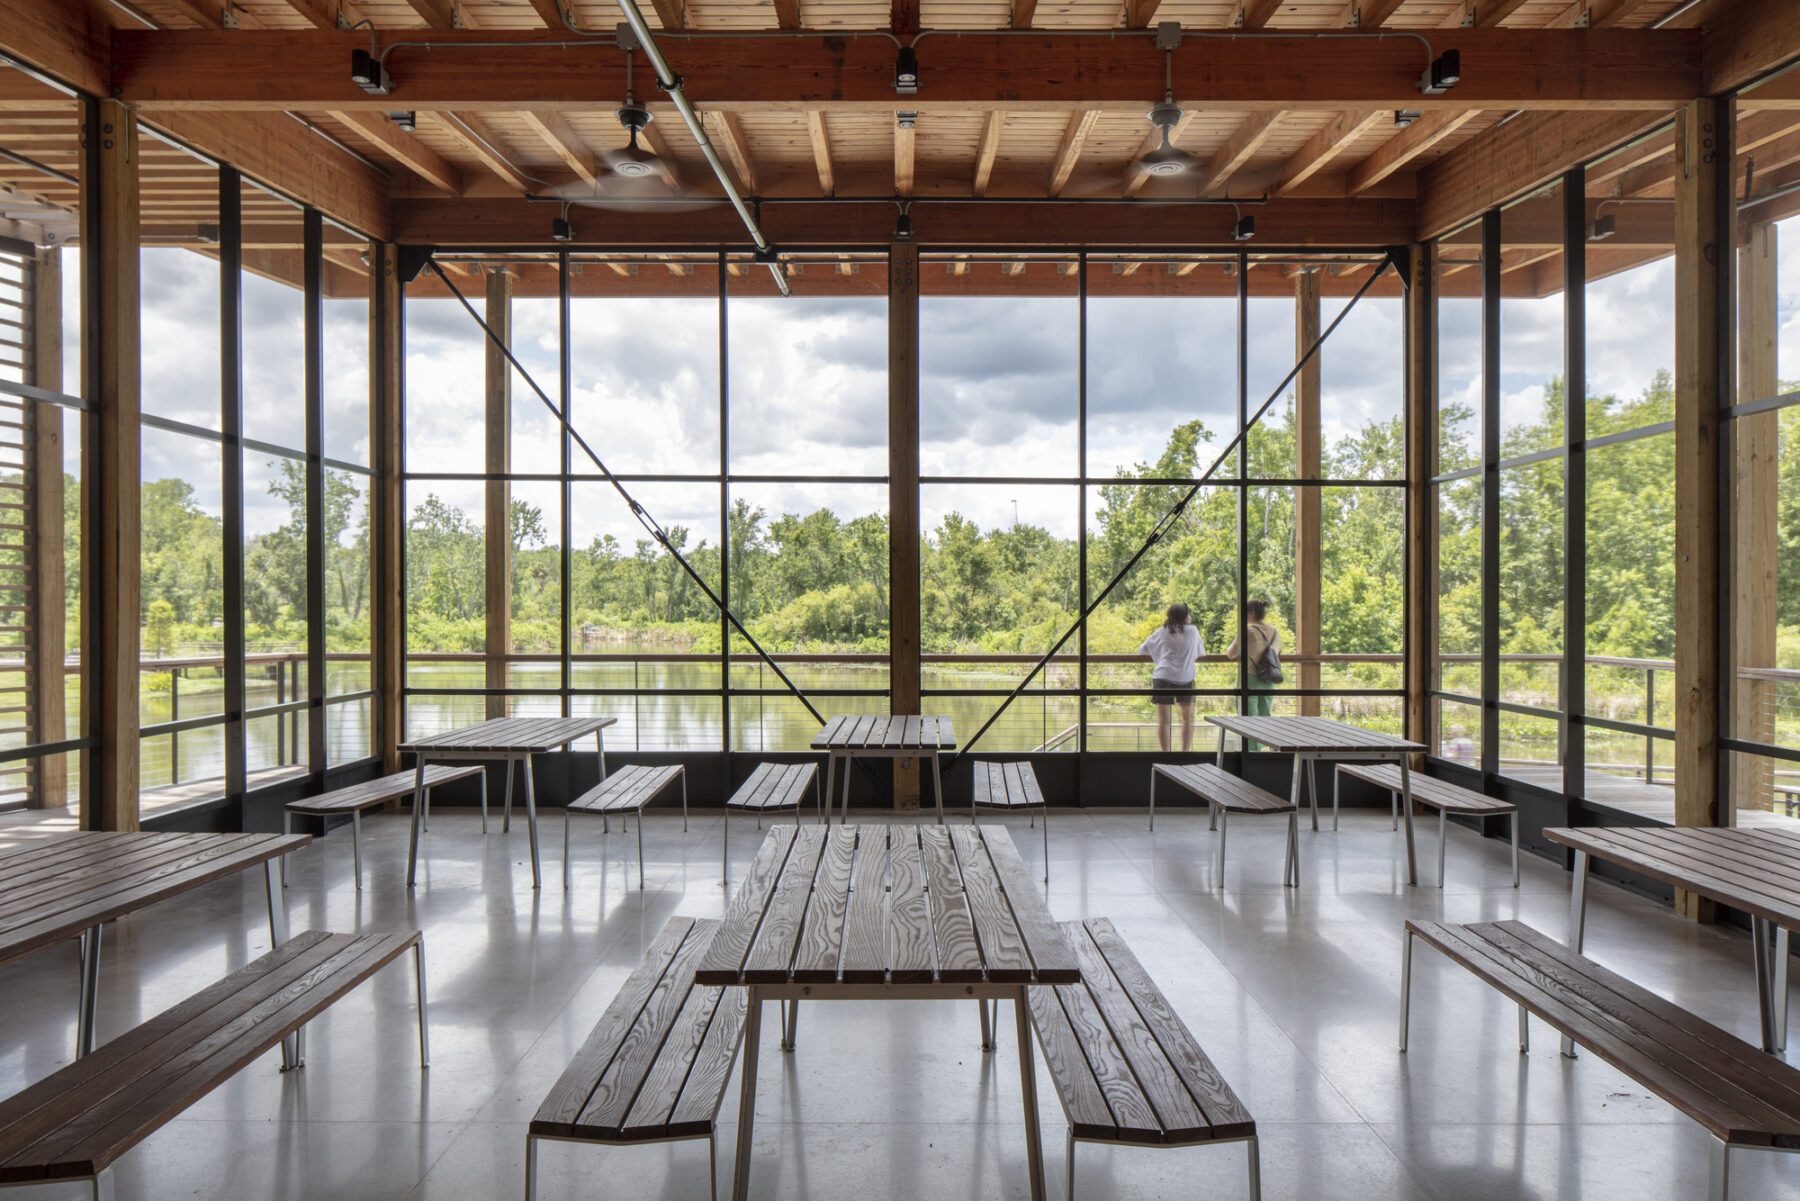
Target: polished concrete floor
1293,994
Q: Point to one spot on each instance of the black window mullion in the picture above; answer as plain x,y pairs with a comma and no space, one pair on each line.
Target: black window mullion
564,487
1081,559
725,519
231,425
313,275
1490,491
1574,669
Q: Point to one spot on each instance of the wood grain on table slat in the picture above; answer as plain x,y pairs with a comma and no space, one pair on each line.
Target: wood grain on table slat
1430,790
866,919
1003,951
1661,857
772,956
661,1088
822,933
115,862
958,952
724,959
1133,1117
1298,735
704,1087
910,926
1051,955
1727,854
1087,1112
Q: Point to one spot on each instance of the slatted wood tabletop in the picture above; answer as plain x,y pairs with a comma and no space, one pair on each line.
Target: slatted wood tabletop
881,732
53,888
879,904
1311,735
509,736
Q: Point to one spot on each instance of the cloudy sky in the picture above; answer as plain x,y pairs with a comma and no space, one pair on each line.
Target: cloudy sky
808,390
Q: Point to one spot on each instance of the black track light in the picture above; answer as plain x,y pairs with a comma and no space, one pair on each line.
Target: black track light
1244,230
1605,226
406,122
1406,116
367,73
1443,74
906,71
903,228
561,230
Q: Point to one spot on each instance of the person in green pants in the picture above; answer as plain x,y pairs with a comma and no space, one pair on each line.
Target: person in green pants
1263,657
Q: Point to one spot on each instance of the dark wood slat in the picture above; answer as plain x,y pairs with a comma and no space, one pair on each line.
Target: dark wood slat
1429,790
510,736
774,786
661,1088
910,935
1133,1117
106,859
698,1105
1075,1084
1003,951
569,1096
1051,955
1219,787
627,790
822,935
1670,866
94,878
1177,1115
771,959
1728,854
371,793
1224,1114
1291,735
958,954
724,960
866,920
1637,1055
619,1085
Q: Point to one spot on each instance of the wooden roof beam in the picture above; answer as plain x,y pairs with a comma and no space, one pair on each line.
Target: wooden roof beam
1744,39
728,133
990,149
71,42
1069,152
1237,150
672,13
412,153
1594,14
1255,14
328,14
305,70
1023,13
564,141
214,14
1366,14
905,149
551,14
1405,146
1140,14
474,135
439,14
787,14
1482,14
821,148
1323,147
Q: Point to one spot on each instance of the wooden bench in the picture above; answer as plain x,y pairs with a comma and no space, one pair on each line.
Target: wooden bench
354,798
1126,1068
1011,787
74,1123
1445,797
1226,794
655,1066
771,788
1744,1097
628,790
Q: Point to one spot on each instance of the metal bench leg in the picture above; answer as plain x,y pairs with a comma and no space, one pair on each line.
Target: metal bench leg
1781,987
293,1047
1718,1175
1515,847
355,845
712,1164
428,811
740,1177
725,850
419,981
600,745
1394,807
506,805
90,991
412,851
1312,786
531,822
287,827
1315,795
1443,837
1047,855
683,804
1405,986
484,800
937,783
1761,939
1255,1157
790,1024
1034,1146
565,848
1290,867
531,1148
640,818
1577,922
1224,827
103,1185
1070,1173
1153,800
987,1027
1524,1031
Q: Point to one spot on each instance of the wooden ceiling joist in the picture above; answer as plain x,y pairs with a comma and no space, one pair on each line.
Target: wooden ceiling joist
728,134
1244,142
821,149
564,142
1482,14
550,12
474,136
1023,13
1255,14
665,154
1525,69
328,14
1323,147
1141,14
905,155
1069,152
1367,14
1405,146
787,14
438,14
1595,14
987,152
407,148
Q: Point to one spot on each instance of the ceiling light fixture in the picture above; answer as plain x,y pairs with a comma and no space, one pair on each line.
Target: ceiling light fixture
906,71
1245,229
367,73
1605,226
1444,73
561,230
406,121
903,226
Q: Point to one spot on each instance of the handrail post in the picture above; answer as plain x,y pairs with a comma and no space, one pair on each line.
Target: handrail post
280,725
1649,720
174,715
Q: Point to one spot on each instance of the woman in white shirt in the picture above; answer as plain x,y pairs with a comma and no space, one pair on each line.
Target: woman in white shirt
1173,648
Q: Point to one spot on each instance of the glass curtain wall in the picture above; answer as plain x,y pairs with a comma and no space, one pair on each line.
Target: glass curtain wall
42,485
1555,522
234,422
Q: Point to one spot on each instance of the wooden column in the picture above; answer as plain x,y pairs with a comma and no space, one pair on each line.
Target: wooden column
499,492
388,628
1699,261
1307,465
903,502
47,707
110,380
1754,523
1421,503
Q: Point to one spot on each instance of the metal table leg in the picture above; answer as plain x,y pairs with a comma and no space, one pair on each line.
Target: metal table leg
506,808
1781,988
1034,1143
1315,799
740,1177
1761,938
418,807
1412,861
293,1047
937,781
1577,922
90,991
531,822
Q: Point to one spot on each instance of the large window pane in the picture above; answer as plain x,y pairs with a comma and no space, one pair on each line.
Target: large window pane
446,573
1459,383
344,312
446,378
178,282
1531,584
274,315
1532,403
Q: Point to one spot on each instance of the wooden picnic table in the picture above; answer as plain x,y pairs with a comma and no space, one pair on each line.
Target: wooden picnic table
887,913
880,736
508,739
1756,870
1309,739
66,885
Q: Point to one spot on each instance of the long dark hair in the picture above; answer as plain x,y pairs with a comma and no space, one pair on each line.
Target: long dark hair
1176,618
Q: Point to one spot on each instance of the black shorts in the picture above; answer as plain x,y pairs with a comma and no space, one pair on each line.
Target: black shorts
1166,690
